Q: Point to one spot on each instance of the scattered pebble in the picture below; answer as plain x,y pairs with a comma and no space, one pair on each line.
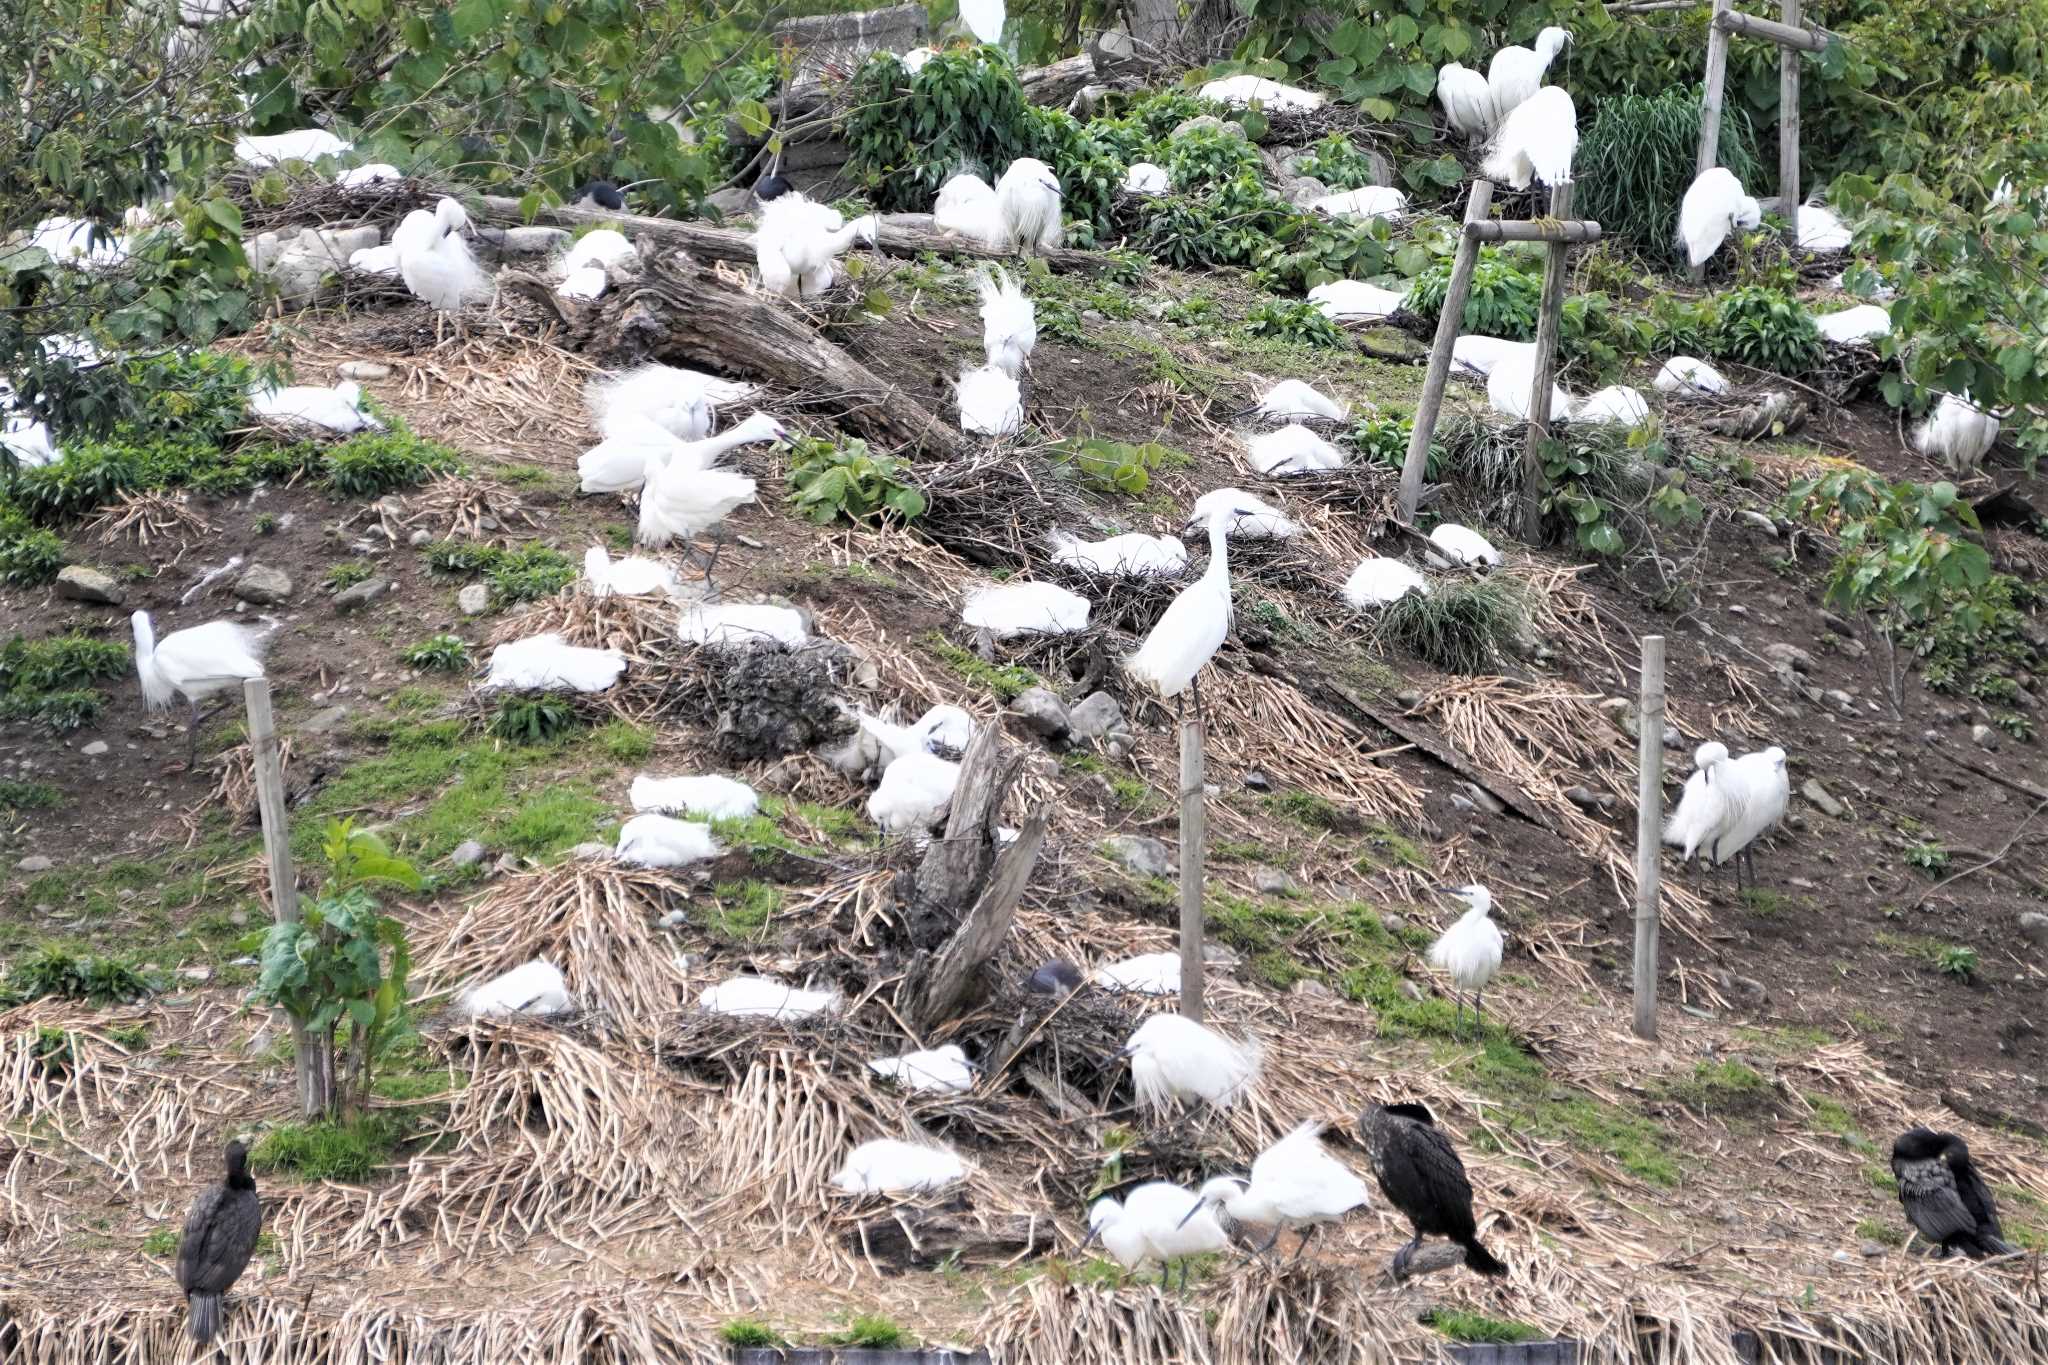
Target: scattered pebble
468,853
1813,791
94,749
1984,736
1146,856
361,595
35,862
1271,881
1043,713
474,600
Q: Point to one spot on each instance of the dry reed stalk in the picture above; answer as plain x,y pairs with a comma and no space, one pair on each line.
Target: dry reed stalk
236,789
468,506
146,516
1266,723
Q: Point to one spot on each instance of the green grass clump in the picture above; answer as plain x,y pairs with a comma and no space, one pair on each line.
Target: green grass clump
161,1243
60,662
443,653
16,795
1475,1328
1719,1087
1884,1234
58,971
534,719
1311,811
746,1332
1461,625
349,573
742,909
1295,321
380,462
526,574
1637,162
1006,681
625,741
1533,1102
871,1332
325,1150
29,555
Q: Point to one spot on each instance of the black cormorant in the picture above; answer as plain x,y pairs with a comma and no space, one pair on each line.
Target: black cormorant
771,187
220,1235
599,194
1419,1172
1944,1196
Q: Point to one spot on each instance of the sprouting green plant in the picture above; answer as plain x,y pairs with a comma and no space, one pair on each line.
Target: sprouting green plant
444,653
1116,466
1460,625
264,523
1297,321
1767,328
1955,960
349,573
829,480
1338,164
1209,156
872,1332
533,720
57,971
1928,857
1503,301
748,1332
526,574
17,795
380,462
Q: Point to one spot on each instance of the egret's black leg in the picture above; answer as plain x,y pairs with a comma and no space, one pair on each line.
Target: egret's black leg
1479,1012
711,565
1302,1245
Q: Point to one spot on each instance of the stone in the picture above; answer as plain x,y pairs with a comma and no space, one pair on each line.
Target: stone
78,583
730,203
1303,190
674,919
1221,955
1813,791
1256,780
300,274
468,853
1984,736
1481,798
1837,624
533,241
1747,987
1673,739
94,749
1871,1248
1209,121
1271,881
361,595
362,371
1852,647
1140,853
1410,991
1311,988
1393,923
1840,698
1586,799
2034,925
264,586
1120,744
1785,655
474,599
1097,714
509,862
419,538
336,245
1044,714
320,722
35,862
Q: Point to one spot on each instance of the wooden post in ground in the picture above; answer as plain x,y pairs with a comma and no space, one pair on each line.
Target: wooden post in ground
1710,105
1449,323
1194,829
1546,366
268,761
1649,830
1788,123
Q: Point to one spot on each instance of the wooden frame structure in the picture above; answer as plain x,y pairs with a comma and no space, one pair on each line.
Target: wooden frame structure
1792,40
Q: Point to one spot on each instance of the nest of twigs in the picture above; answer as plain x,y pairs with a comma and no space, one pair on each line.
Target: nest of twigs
465,506
1121,602
1850,370
271,198
997,509
144,517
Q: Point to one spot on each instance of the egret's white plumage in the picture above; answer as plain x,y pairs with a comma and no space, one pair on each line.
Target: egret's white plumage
1292,449
1295,1185
1536,140
434,260
1865,322
892,1166
984,19
685,496
1145,178
990,402
944,1069
1197,621
1958,433
1714,206
1685,376
664,841
619,463
1028,197
682,402
1008,610
1009,323
1242,90
967,206
761,997
710,796
362,177
28,442
1293,398
533,988
915,790
1370,201
915,59
1482,354
541,662
301,144
742,625
1155,1224
1699,803
1381,581
1512,383
1470,950
584,284
633,576
877,743
1460,547
1617,404
797,241
1822,230
1145,974
1753,798
195,662
1355,301
606,248
1178,1060
78,242
337,409
1467,101
1254,519
1127,556
375,260
1515,75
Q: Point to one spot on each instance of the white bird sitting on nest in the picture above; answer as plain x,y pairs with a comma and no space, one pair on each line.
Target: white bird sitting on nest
1145,974
301,144
28,442
1617,405
605,248
990,402
892,1166
1460,547
1821,230
1145,178
633,576
1381,581
915,790
434,260
710,796
1009,323
876,743
742,625
1251,518
1157,1223
1467,101
798,241
535,988
1127,556
944,1069
984,19
1238,91
1293,449
1294,399
337,409
1714,206
1512,383
1685,376
1008,610
1865,322
1295,1185
584,284
1355,301
1699,802
684,403
760,997
967,206
541,662
196,662
1515,74
1537,141
380,261
1481,354
1958,433
1370,201
1176,1060
1028,197
1194,625
663,841
362,177
1469,950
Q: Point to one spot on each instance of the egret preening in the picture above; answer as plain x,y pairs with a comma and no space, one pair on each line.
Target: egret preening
1156,1222
535,988
682,500
1699,811
1482,355
1239,91
797,241
1460,547
1194,625
892,1166
1293,449
1618,405
1355,301
760,997
1145,178
1469,951
541,663
1134,555
914,794
634,576
991,404
1685,376
1467,101
1865,322
684,403
942,1069
877,743
1512,383
1176,1060
1254,520
1821,230
742,625
1292,399
1028,197
967,206
1009,323
1009,610
1057,977
435,262
619,463
1713,207
1752,800
1420,1174
301,144
196,662
1295,1185
1537,140
1380,581
1945,1198
337,409
710,797
219,1238
1370,201
1958,433
606,248
984,19
1516,73
1145,974
598,194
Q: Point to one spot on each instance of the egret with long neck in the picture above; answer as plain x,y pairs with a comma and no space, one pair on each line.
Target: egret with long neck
1195,624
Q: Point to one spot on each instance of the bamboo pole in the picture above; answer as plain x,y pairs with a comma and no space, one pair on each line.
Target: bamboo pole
1546,370
1788,120
1577,232
1649,830
1710,105
268,761
1194,822
1448,323
1770,30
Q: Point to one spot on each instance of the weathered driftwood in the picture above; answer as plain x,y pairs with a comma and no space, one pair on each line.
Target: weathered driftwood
911,1236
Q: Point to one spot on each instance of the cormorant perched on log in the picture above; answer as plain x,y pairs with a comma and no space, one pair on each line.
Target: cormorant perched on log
1419,1172
1944,1196
598,194
220,1235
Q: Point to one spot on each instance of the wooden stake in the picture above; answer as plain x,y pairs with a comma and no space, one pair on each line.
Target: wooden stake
1788,123
268,762
1546,369
1649,830
1194,829
1448,324
1710,105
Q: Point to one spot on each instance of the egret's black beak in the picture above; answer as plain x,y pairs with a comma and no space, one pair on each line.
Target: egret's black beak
1199,1203
1089,1240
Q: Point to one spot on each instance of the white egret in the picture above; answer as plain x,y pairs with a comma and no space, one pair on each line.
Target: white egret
1958,433
1685,376
1865,322
1028,197
1467,101
664,841
1194,625
684,403
1512,383
1822,230
1253,519
1134,555
534,988
1460,547
990,402
984,19
619,463
1370,201
633,576
914,793
605,248
1145,178
1239,91
892,1166
943,1069
742,625
761,997
1380,581
1008,610
1714,206
967,206
1355,301
1009,323
1482,355
1469,950
196,662
1158,1222
1699,802
915,59
1292,449
710,797
1515,75
1537,140
378,261
1176,1060
435,262
681,500
1617,405
1294,399
797,241
301,144
1145,974
338,409
584,284
1753,797
877,743
362,177
541,662
28,442
1295,1185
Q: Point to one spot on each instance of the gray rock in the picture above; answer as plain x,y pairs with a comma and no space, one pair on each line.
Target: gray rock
730,203
1481,798
94,749
1120,744
1673,739
474,600
362,371
533,241
264,586
1221,955
419,538
320,722
338,244
1785,655
1207,121
1840,698
468,853
1837,624
1410,991
674,919
1256,780
509,862
1747,987
35,862
1141,854
2034,925
1044,714
1312,989
1097,714
1586,799
1303,190
361,595
1393,923
78,583
299,274
1813,791
1872,1248
1984,736
1271,881
262,251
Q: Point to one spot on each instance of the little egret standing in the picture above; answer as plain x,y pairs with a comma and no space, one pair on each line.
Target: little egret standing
1516,73
196,662
1537,140
1295,1184
1419,1172
1469,950
1195,623
1156,1223
1467,101
435,262
1756,791
1714,207
1028,198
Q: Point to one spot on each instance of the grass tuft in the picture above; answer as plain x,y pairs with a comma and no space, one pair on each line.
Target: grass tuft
1461,625
324,1150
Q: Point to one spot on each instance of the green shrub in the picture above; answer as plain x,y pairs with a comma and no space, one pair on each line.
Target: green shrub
55,971
1503,302
58,712
59,662
829,480
1305,250
534,719
1203,157
907,135
16,795
379,462
748,1332
349,573
1234,223
1338,164
443,653
1461,625
1382,438
1297,321
1765,328
1635,164
525,574
29,555
1116,466
873,1332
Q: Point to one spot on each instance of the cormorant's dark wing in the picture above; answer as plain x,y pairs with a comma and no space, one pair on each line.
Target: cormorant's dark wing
220,1236
1927,1189
1975,1195
1421,1175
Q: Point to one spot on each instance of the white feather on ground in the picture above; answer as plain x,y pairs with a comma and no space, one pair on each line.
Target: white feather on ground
1293,449
1536,141
535,988
337,409
1865,322
1145,974
893,1166
1380,581
1714,206
1262,520
1461,547
1685,376
710,796
915,790
1958,433
1293,398
1176,1060
942,1069
1616,405
990,402
663,841
1009,323
760,997
633,576
742,625
1355,301
1008,610
541,662
1127,556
